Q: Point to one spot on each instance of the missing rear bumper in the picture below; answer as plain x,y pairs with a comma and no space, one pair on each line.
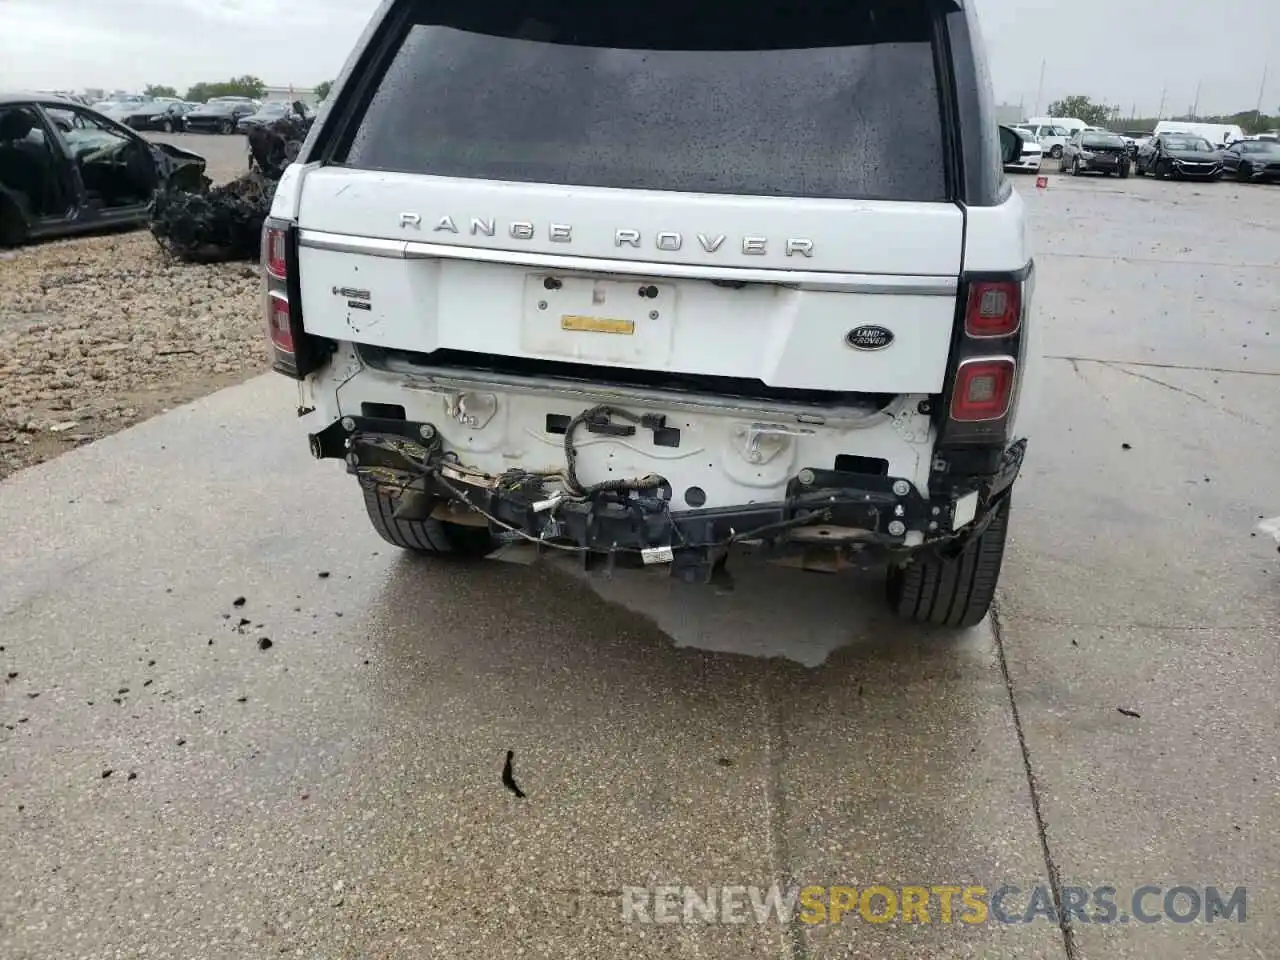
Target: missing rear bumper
853,517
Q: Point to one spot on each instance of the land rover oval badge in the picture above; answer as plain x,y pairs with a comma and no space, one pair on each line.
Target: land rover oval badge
869,337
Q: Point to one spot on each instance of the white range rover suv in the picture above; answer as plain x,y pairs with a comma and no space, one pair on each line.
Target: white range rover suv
660,284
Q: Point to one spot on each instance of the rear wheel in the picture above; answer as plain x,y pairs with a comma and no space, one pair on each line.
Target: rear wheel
952,591
227,127
425,536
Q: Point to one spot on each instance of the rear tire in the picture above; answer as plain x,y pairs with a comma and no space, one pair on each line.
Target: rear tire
955,592
425,536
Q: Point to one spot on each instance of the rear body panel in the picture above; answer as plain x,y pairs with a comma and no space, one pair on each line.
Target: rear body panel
748,287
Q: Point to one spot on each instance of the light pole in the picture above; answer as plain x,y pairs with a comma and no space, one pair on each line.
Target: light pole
1262,89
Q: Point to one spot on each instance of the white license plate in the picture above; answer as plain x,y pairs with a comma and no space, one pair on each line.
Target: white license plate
604,321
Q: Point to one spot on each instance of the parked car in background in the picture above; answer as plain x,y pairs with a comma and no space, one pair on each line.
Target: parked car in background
1030,155
1219,135
1135,139
1094,151
1181,155
218,116
1253,160
168,116
249,100
274,110
65,168
1051,137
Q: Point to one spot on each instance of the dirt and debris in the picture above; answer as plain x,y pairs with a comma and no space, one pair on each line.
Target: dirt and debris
220,225
99,333
224,223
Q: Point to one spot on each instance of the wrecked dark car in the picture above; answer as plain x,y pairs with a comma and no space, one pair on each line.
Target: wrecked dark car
166,116
67,169
274,110
218,116
225,223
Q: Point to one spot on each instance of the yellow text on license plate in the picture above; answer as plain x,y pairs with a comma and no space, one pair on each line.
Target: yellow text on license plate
597,325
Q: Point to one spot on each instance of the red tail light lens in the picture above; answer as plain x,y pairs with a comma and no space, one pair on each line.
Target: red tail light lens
278,323
983,389
994,309
273,244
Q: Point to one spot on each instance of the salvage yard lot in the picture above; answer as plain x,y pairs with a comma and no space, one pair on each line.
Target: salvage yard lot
174,788
97,333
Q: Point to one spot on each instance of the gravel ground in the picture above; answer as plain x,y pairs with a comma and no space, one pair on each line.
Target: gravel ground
97,333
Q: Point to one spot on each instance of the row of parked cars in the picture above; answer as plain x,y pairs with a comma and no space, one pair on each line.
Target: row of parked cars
1182,153
224,115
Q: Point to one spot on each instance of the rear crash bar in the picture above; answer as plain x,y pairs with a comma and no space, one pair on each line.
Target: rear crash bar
853,513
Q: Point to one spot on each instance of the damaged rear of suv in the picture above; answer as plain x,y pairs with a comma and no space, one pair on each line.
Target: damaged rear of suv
654,285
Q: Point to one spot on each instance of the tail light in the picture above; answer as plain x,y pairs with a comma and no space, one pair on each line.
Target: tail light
273,252
983,389
994,309
987,352
278,323
293,351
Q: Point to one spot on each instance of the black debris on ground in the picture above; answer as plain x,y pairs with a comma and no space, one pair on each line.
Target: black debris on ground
264,643
1130,713
224,223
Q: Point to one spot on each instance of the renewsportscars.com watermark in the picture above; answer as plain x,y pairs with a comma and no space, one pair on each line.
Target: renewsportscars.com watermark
944,904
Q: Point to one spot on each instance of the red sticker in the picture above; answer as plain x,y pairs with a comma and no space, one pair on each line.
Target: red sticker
1042,182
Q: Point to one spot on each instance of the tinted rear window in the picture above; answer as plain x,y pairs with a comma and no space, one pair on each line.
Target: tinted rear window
807,101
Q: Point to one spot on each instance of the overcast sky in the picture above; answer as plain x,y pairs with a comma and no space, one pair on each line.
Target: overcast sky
1119,51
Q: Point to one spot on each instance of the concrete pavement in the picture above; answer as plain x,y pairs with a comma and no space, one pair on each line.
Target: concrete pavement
338,793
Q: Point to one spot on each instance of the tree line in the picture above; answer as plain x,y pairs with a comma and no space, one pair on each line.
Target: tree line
246,86
1111,117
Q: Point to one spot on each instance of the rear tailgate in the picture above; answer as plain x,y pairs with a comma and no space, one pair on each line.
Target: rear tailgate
775,213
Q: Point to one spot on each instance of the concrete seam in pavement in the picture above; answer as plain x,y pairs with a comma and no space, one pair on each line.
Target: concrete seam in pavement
1051,867
793,937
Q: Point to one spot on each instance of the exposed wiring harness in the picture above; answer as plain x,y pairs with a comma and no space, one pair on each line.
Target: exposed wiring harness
514,480
571,482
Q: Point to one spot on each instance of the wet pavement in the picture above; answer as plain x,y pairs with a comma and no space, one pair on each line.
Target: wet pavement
172,786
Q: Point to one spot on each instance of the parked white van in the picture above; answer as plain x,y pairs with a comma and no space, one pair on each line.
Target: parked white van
1051,136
